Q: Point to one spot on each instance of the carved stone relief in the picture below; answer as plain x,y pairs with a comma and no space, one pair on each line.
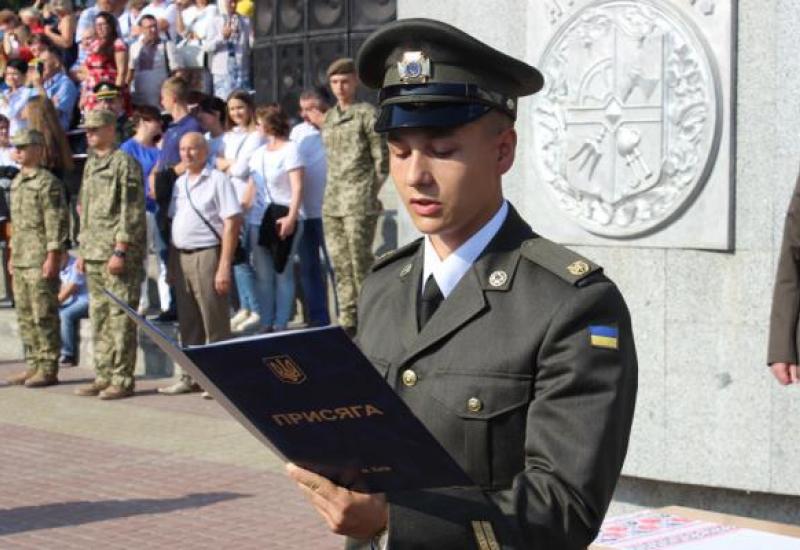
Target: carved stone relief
627,129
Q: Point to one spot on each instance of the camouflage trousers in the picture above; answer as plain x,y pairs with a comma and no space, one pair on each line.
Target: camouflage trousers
114,333
349,241
37,314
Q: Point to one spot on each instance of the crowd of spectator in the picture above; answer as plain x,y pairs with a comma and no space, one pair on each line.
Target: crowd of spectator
232,192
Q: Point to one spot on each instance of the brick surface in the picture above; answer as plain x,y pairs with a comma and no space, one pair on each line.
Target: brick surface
65,483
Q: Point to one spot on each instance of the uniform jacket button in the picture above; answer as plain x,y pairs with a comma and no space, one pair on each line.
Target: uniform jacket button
474,404
409,378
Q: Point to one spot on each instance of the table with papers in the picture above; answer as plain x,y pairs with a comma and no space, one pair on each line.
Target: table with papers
690,529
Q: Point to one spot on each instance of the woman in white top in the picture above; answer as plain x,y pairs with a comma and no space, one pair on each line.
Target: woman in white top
278,168
239,143
196,23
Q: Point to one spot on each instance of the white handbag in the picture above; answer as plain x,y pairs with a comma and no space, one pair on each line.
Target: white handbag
192,54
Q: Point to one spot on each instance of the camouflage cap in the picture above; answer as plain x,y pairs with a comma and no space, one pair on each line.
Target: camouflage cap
106,90
431,74
27,136
343,65
99,118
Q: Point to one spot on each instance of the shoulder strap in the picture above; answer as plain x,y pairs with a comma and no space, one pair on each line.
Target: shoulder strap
393,255
559,260
199,215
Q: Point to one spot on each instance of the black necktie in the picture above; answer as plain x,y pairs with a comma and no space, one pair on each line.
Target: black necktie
429,301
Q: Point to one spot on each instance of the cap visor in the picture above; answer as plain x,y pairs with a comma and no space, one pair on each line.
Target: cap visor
428,115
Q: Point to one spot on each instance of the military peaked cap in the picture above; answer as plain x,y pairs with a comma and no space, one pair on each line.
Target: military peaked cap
106,90
431,74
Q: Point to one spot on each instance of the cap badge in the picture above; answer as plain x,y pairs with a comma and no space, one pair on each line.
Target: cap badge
578,268
498,278
415,67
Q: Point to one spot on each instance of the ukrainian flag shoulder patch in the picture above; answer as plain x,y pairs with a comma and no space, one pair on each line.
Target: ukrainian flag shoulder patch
604,336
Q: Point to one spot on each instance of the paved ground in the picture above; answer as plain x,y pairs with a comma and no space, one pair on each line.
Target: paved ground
167,472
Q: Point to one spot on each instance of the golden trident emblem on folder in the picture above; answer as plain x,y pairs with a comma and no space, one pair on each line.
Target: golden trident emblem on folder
286,369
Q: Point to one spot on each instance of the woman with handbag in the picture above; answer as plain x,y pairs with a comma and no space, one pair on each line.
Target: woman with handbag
278,168
196,25
239,143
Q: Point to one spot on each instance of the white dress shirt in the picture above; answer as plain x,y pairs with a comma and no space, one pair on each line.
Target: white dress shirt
213,195
449,271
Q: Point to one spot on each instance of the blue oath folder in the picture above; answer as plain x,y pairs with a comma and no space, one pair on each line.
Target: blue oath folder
314,399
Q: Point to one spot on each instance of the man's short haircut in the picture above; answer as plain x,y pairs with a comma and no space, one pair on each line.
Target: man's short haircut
18,64
4,121
147,16
145,112
318,94
178,87
213,105
343,65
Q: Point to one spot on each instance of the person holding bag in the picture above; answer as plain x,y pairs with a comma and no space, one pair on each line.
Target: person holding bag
196,24
278,168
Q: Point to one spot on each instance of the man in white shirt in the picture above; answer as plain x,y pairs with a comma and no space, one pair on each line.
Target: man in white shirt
313,105
151,62
206,218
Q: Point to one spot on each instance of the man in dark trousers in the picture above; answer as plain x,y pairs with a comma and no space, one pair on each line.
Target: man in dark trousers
515,352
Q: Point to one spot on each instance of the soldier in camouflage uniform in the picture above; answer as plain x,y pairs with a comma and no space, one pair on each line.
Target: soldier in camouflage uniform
358,163
112,247
39,214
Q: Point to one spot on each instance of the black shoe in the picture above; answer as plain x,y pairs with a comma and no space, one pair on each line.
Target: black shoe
66,361
164,317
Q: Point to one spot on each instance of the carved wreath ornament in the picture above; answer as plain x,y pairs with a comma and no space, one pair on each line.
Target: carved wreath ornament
627,128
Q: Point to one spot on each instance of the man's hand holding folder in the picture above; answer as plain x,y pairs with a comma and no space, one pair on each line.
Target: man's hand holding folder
350,513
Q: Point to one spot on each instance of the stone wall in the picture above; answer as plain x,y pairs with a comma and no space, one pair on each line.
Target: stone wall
709,413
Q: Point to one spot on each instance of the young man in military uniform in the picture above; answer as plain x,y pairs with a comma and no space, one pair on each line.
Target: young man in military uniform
39,214
112,245
515,352
109,98
357,167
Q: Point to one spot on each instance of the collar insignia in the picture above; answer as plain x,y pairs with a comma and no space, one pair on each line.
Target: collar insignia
578,268
498,278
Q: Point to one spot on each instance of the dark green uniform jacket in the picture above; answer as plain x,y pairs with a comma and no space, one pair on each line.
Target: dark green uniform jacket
512,382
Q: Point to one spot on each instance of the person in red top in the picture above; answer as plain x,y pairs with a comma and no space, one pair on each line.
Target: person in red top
106,62
32,18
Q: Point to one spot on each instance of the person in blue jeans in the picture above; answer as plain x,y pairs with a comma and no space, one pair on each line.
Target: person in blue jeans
73,305
278,169
311,251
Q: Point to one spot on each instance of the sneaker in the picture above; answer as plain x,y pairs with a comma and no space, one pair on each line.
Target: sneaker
179,387
20,378
250,322
41,380
206,395
92,390
240,316
66,361
115,392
